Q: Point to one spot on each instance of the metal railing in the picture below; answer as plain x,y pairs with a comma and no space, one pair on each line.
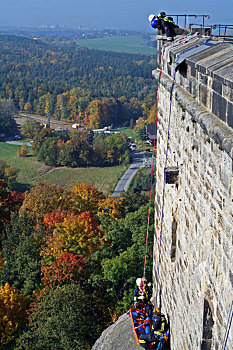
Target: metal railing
220,30
186,17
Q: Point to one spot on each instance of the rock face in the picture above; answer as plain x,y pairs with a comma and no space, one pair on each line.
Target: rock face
118,336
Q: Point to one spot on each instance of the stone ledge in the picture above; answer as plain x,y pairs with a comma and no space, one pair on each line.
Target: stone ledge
212,125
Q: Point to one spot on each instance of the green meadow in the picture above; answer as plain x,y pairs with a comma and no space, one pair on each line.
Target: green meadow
31,171
130,44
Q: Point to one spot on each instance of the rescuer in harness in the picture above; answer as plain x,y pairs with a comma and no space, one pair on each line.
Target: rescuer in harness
159,327
166,24
142,295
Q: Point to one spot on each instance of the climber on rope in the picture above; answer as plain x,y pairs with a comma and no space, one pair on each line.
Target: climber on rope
142,295
159,333
164,23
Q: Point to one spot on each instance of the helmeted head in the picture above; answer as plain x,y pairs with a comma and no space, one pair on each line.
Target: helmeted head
138,282
151,17
155,23
161,15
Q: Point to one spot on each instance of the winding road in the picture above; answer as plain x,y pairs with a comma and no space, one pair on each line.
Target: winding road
138,162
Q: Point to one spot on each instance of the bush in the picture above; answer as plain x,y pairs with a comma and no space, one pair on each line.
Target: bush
23,151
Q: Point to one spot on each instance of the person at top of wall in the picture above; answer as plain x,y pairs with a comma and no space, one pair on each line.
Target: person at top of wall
164,23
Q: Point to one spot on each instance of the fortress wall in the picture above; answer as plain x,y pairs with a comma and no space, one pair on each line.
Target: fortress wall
195,270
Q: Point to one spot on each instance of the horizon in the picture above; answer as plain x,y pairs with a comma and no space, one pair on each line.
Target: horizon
109,14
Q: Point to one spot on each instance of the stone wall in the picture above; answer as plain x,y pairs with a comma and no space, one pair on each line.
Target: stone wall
193,254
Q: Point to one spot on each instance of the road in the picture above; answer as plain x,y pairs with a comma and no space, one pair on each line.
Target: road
138,162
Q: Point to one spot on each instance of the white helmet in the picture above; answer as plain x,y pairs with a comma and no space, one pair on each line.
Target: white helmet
151,17
138,282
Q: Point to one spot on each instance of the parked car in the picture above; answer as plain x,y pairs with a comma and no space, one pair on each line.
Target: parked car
133,147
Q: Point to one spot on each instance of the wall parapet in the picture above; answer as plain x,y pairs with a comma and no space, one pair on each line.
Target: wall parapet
210,123
206,73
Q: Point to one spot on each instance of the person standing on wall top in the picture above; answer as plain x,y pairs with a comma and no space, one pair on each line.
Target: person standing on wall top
163,23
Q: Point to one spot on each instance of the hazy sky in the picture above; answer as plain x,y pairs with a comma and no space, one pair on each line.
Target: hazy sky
115,14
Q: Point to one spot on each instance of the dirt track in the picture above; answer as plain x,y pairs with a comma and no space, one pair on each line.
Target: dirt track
54,124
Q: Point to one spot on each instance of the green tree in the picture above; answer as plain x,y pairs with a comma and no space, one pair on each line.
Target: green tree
30,127
7,122
124,260
64,319
21,246
39,138
49,152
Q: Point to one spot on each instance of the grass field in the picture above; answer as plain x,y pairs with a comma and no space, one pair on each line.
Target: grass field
32,171
129,44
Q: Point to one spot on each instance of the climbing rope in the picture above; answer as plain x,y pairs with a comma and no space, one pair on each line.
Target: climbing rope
177,41
228,326
164,181
153,161
165,166
166,156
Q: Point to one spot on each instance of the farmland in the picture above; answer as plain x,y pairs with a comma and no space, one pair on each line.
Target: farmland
130,44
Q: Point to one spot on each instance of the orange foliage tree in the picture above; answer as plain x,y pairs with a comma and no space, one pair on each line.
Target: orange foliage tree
42,199
111,206
79,234
83,197
66,269
12,313
52,219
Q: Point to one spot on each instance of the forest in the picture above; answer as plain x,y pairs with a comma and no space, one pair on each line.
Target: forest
69,256
92,87
81,149
69,260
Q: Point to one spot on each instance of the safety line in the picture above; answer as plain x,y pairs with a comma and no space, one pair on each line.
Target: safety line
229,326
164,180
153,156
153,160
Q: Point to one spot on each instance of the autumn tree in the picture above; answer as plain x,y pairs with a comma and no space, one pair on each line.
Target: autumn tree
152,114
93,114
28,107
124,257
42,199
78,234
49,152
13,316
23,151
83,197
65,269
8,173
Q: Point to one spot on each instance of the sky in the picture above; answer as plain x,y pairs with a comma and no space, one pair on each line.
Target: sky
108,14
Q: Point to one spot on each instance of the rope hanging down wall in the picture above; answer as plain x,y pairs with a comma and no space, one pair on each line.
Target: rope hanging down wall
180,57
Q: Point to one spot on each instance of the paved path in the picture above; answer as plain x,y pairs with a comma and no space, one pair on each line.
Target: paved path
29,144
138,162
